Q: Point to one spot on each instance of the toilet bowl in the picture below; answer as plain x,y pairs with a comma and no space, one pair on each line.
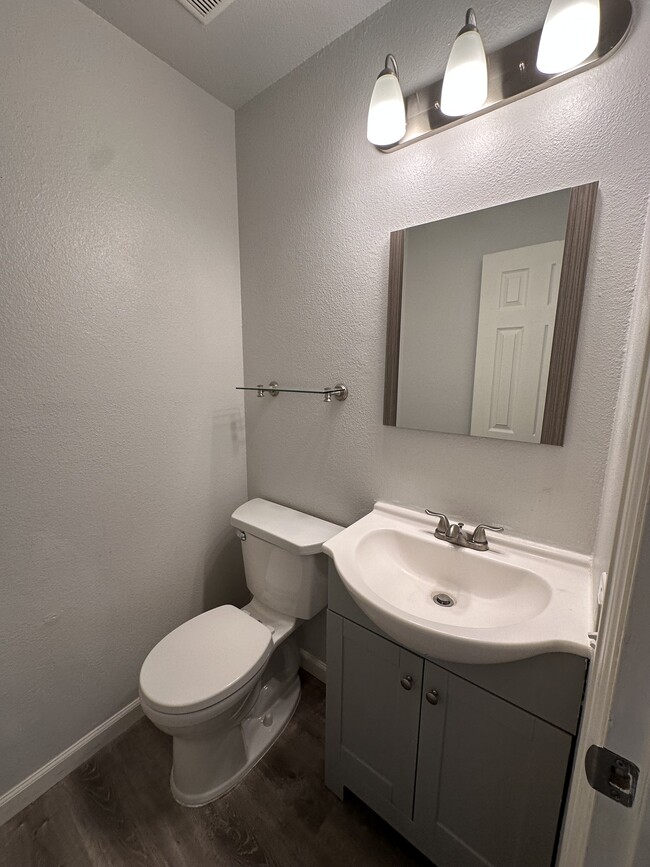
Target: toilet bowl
225,684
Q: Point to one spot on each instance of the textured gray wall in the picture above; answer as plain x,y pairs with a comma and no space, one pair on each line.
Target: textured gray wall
441,296
317,204
121,434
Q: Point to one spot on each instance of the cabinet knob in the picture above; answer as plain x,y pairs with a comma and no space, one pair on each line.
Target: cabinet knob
433,696
407,681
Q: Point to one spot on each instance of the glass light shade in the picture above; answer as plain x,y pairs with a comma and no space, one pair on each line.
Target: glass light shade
387,113
571,32
465,85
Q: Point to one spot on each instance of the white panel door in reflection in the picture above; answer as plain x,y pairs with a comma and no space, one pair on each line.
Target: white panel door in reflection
519,290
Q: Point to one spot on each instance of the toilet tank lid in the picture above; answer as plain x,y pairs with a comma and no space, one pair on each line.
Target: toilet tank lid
287,528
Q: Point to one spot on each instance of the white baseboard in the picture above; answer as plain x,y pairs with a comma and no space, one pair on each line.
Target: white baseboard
44,778
313,665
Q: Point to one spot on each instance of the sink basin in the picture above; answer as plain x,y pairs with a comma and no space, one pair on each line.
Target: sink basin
405,572
516,600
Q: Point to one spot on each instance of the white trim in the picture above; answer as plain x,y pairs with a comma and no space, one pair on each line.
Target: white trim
313,665
60,766
634,440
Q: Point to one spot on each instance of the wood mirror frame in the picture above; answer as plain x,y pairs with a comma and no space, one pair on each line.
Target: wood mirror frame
580,218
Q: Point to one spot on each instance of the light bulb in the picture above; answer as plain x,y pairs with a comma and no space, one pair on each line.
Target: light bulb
387,114
570,34
465,85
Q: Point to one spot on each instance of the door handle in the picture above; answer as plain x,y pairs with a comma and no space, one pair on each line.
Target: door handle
433,696
407,681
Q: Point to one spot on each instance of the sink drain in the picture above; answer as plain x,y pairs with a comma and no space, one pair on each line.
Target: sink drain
444,600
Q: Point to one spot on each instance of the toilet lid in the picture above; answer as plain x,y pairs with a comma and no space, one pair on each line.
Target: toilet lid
204,660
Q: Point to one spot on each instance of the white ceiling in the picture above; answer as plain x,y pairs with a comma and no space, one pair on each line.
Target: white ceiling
247,47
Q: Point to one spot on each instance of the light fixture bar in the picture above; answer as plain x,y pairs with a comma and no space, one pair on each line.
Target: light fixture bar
512,74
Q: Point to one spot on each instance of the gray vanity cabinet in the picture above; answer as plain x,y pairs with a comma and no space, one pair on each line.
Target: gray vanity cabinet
380,689
490,778
469,763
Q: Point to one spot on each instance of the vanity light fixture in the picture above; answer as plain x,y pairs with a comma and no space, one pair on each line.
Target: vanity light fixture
387,114
465,85
577,35
570,34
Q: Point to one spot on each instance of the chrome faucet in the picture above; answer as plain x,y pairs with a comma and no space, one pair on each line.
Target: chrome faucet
456,535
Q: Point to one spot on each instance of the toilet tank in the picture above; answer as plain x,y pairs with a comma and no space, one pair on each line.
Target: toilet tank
285,567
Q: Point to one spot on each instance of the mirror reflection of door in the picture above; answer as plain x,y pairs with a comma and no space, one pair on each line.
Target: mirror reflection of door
519,292
483,316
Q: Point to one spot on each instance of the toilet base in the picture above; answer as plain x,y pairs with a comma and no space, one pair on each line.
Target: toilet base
258,734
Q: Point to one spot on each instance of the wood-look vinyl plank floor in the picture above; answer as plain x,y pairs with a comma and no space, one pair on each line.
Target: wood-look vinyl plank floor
116,810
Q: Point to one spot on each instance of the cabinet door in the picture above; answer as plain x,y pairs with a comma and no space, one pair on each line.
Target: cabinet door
373,733
490,778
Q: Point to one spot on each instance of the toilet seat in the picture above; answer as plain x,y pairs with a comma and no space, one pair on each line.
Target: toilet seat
204,661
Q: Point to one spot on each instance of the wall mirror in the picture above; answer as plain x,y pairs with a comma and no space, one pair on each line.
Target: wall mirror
483,315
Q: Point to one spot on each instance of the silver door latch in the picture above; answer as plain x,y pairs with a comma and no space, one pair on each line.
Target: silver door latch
611,775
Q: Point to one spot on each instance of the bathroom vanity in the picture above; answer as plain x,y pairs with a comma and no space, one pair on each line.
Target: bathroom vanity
469,762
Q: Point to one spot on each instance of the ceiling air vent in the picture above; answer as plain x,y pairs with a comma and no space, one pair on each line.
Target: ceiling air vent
205,10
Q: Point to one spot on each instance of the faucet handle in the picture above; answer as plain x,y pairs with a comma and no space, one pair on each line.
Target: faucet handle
479,536
443,524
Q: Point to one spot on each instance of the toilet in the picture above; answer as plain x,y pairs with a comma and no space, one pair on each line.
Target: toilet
225,684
